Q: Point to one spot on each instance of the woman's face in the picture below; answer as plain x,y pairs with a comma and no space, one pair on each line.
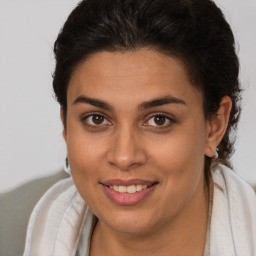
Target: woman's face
136,138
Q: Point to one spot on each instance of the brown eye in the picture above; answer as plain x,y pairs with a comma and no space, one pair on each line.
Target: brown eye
159,120
97,119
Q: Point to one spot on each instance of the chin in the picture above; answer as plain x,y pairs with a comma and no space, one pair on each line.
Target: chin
129,223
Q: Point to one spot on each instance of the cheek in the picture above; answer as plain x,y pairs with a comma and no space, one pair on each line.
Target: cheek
180,160
83,148
85,155
86,160
183,147
84,165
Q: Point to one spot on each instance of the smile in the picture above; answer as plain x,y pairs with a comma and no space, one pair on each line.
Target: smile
128,194
129,189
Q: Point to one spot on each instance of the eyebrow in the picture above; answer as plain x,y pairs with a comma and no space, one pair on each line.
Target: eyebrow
95,102
161,101
144,105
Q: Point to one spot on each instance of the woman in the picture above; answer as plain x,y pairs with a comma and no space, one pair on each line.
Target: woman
149,97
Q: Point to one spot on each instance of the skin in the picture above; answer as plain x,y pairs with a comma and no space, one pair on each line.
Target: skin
130,144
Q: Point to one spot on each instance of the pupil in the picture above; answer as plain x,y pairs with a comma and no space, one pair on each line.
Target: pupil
97,119
159,120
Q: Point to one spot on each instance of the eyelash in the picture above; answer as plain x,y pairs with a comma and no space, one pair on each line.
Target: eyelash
167,118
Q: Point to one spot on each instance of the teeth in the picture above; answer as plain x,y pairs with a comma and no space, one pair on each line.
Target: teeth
139,187
128,189
122,189
131,189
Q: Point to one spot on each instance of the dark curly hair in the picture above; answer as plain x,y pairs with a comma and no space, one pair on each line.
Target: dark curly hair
194,31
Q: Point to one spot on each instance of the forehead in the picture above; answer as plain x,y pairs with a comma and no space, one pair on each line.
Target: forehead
130,63
144,74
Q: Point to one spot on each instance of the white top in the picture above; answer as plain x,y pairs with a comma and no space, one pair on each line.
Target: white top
61,222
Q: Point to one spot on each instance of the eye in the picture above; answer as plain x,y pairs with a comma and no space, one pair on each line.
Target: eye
160,120
95,120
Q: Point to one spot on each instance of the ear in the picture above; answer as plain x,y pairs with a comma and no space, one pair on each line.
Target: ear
217,125
64,133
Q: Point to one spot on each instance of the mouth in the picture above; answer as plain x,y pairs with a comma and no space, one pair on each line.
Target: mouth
131,189
128,192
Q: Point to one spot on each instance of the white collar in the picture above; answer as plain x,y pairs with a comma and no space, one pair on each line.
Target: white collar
233,223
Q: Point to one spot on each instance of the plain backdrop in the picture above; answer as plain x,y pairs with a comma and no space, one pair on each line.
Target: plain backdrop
31,144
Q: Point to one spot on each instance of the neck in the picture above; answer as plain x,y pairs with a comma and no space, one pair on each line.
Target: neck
185,234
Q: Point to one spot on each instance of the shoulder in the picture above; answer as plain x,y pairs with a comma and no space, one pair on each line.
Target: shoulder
55,223
234,214
231,183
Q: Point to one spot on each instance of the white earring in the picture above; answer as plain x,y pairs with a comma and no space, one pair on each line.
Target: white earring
67,166
216,153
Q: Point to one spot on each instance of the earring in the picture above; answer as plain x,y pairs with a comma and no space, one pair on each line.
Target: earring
216,153
67,166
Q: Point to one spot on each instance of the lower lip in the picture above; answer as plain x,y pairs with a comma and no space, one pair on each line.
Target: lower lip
128,198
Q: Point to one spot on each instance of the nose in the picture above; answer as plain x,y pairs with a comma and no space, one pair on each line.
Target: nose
126,149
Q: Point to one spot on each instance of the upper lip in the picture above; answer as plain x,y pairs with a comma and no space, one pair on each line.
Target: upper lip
120,182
